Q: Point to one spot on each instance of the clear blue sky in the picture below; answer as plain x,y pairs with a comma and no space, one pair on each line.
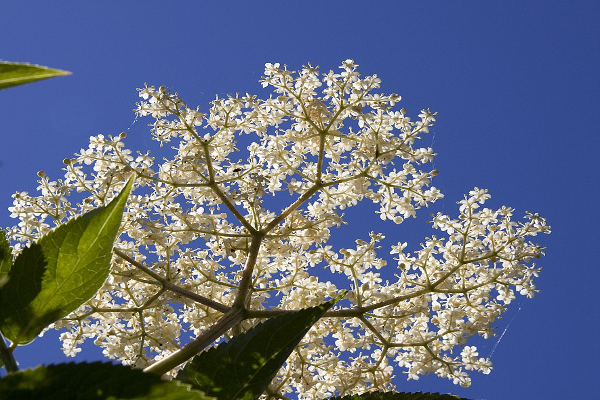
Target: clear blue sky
516,85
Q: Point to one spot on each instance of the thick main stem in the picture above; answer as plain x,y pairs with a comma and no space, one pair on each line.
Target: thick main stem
246,281
231,318
7,357
235,315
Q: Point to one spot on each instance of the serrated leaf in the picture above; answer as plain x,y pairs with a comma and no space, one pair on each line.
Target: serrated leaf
13,74
399,396
92,381
5,258
60,271
243,367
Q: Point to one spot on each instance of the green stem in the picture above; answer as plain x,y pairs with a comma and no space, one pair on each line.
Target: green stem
246,281
7,357
231,318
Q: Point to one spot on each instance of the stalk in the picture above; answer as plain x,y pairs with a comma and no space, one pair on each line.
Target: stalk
7,357
231,318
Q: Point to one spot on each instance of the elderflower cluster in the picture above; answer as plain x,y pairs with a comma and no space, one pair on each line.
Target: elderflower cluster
201,217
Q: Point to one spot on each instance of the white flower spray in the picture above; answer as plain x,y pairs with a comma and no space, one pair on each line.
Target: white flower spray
198,236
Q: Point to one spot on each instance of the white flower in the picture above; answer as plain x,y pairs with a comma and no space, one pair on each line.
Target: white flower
321,143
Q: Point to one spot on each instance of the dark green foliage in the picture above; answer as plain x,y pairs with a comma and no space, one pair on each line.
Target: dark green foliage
92,381
243,367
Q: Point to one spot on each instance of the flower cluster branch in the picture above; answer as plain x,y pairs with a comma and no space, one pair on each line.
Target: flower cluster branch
234,225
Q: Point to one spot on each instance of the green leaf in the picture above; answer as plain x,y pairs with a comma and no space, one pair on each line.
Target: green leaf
13,74
243,367
399,396
60,271
92,381
5,258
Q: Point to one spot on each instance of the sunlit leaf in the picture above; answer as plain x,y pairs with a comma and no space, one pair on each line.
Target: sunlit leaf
243,367
13,74
5,258
60,271
92,381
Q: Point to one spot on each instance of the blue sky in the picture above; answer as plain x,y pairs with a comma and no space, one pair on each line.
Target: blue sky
516,85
